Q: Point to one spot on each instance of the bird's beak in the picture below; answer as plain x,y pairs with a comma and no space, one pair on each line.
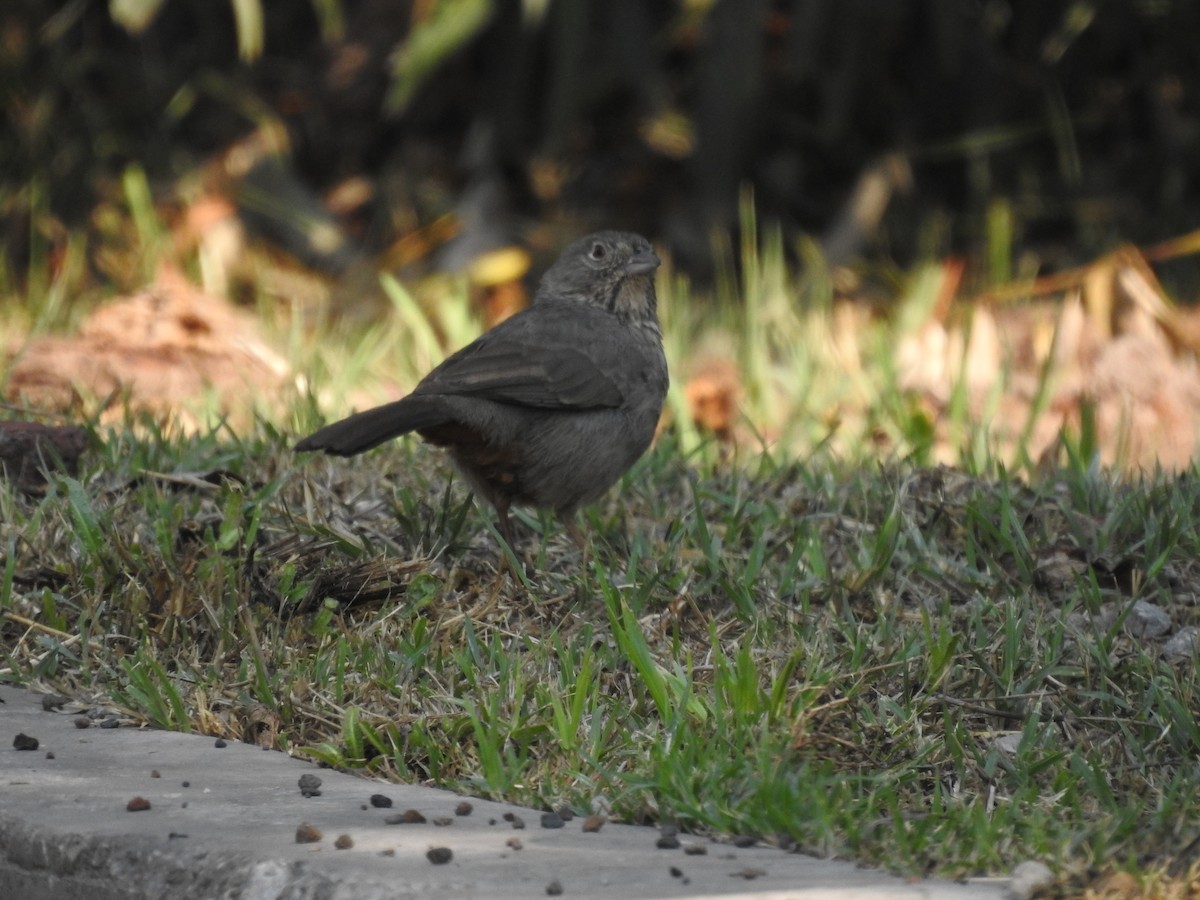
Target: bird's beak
642,263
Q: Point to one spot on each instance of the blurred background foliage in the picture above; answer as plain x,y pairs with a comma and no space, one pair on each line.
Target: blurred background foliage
1023,135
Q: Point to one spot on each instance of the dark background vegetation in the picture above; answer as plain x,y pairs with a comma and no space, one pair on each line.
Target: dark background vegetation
1066,127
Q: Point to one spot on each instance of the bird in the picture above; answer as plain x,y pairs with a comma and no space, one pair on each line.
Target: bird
553,405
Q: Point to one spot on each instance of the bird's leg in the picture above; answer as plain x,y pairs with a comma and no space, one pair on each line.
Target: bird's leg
576,533
505,524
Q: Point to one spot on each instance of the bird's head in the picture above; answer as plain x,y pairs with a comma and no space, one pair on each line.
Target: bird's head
611,269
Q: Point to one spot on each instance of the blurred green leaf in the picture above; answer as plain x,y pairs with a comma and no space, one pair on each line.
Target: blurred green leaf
249,17
134,15
447,27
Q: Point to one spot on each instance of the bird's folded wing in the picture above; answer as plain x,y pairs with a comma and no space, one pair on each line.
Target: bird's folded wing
524,372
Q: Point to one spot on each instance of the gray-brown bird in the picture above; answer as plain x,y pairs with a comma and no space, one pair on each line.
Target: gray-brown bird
549,408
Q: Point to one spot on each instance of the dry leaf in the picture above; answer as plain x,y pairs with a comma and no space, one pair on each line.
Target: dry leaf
712,395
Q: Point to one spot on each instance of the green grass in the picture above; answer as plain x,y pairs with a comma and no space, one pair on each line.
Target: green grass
820,655
826,644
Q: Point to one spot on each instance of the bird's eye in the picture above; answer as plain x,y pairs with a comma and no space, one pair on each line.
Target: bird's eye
598,252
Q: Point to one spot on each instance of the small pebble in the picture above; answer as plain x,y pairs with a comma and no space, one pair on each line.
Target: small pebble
594,822
696,850
344,842
676,872
390,851
744,840
83,722
310,785
110,722
154,773
552,820
49,754
175,836
1183,646
138,804
439,856
463,809
186,783
1029,878
554,888
748,874
517,822
514,843
667,842
380,801
220,744
24,742
408,817
307,834
443,821
565,813
51,702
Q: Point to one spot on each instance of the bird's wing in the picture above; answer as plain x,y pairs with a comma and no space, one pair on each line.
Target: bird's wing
540,360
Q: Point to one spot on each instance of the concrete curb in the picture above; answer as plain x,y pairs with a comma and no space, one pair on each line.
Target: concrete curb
65,832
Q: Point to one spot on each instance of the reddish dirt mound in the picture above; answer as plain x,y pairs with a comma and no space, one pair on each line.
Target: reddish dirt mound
151,351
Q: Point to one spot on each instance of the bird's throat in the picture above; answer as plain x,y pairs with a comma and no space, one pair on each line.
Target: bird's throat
634,299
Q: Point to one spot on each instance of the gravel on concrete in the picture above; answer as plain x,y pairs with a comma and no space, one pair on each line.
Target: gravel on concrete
233,821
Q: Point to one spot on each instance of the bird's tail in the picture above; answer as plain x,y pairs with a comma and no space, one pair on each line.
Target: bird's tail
362,431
